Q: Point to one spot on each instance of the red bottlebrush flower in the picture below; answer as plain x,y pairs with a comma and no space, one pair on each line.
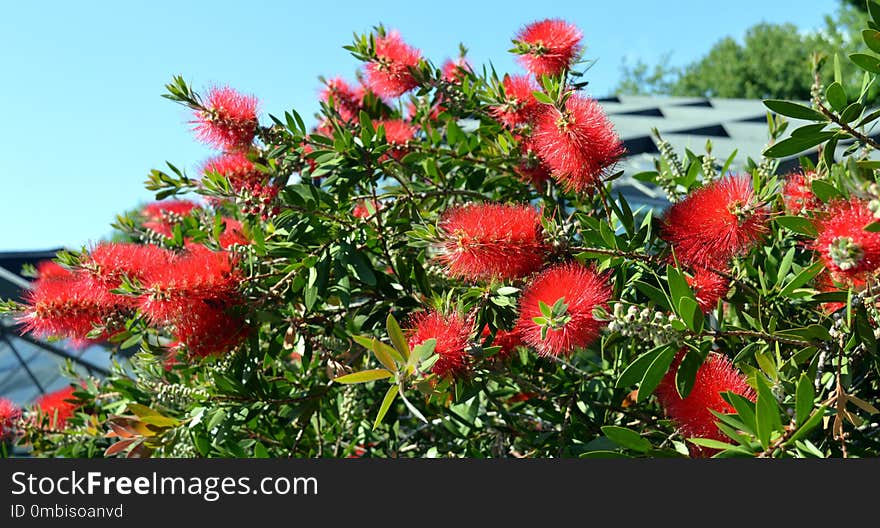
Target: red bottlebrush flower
168,211
798,193
51,270
485,241
453,334
692,414
389,73
519,105
361,211
532,169
550,46
59,406
843,244
109,261
452,70
229,119
236,167
233,233
508,340
67,308
9,413
579,144
397,133
346,100
582,290
715,223
197,297
708,287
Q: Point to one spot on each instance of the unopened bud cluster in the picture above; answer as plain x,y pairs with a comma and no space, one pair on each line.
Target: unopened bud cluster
874,202
644,324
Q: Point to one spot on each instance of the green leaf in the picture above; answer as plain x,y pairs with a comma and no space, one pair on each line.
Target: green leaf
545,309
766,412
386,404
794,110
796,145
804,399
874,10
542,97
711,444
824,190
626,438
852,112
396,336
413,409
260,451
869,63
691,314
363,376
873,227
686,374
634,373
745,410
808,426
805,276
383,356
836,96
655,373
678,286
872,39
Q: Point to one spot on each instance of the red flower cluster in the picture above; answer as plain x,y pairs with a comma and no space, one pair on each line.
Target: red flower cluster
455,70
708,287
485,241
254,192
692,414
347,101
360,209
228,120
397,133
51,270
162,216
582,290
798,193
508,340
59,406
519,105
453,334
196,296
715,223
389,74
551,46
844,245
578,144
531,168
9,413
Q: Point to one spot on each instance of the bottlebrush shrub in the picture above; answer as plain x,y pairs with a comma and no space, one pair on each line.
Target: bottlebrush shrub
437,265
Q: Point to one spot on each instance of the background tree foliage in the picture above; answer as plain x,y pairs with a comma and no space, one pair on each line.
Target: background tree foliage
772,60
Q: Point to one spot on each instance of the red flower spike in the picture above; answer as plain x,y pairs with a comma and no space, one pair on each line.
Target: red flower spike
51,270
519,104
67,308
346,100
453,334
108,262
583,290
579,145
361,211
397,133
708,287
715,223
532,169
389,73
843,244
233,233
798,193
9,413
452,70
486,241
206,330
552,45
692,414
508,340
229,120
58,407
168,210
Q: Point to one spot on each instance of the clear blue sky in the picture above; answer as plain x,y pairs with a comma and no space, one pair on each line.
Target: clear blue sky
82,123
